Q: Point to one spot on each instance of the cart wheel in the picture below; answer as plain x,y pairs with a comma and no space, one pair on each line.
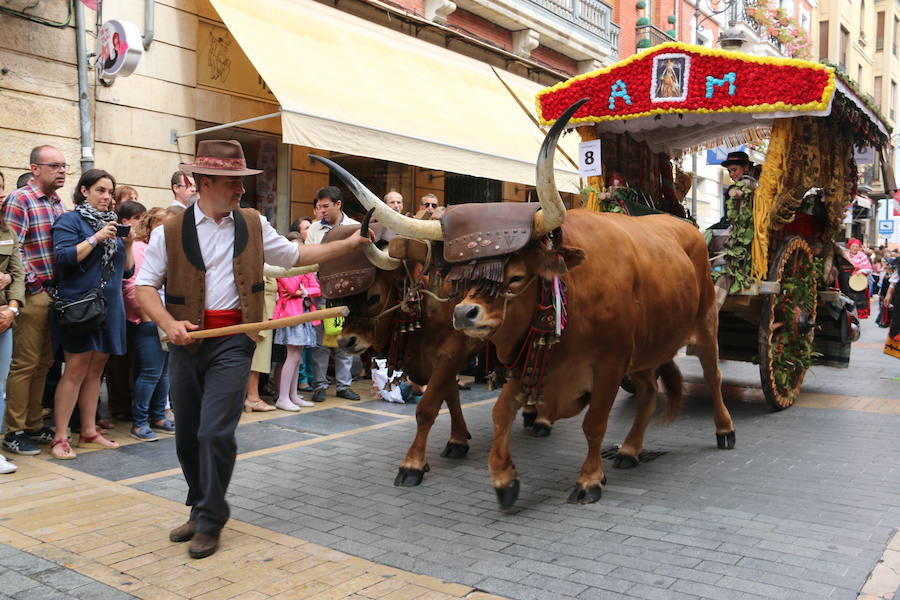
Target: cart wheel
787,324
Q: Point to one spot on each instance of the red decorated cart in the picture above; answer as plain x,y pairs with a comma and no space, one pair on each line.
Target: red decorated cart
779,304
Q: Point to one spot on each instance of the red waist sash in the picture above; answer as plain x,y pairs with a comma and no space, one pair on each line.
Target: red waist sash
213,319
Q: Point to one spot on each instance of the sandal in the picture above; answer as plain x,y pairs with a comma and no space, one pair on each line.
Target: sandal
67,454
257,406
106,424
96,441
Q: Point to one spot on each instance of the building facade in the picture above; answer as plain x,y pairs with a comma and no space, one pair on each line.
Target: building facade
196,75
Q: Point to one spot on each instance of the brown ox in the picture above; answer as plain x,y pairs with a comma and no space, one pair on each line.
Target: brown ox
641,290
437,352
434,354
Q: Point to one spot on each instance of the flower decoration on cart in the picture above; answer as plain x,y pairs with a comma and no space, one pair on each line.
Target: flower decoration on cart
675,78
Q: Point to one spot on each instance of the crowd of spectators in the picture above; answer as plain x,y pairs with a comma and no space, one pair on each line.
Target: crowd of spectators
50,372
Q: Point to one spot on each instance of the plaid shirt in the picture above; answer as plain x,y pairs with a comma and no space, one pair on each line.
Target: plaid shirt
30,213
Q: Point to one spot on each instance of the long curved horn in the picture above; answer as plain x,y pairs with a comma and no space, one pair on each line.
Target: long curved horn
396,222
378,257
553,211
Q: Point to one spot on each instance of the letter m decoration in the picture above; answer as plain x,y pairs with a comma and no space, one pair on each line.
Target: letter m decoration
713,82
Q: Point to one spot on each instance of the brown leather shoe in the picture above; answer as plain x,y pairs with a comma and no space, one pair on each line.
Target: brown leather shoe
183,533
203,545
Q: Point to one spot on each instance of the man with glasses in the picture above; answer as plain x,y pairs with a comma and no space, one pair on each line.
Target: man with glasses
183,188
30,212
329,205
429,202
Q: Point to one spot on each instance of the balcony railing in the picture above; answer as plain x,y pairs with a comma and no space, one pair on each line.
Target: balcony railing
648,36
592,15
755,26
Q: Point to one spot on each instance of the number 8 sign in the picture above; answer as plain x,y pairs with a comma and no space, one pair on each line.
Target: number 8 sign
589,163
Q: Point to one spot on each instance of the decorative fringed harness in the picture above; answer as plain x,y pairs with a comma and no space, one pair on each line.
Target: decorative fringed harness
547,325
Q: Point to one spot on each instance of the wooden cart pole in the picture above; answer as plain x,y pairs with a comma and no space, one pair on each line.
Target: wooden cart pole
316,315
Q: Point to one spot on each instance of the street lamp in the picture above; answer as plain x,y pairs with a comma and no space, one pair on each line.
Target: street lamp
700,18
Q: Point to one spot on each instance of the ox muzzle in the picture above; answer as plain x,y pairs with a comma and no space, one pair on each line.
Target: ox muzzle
467,317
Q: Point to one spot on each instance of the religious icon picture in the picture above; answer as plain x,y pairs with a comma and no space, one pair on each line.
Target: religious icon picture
670,77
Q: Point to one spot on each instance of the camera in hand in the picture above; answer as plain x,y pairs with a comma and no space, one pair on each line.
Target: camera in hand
123,230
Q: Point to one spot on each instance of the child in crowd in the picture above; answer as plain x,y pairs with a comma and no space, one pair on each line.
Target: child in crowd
293,299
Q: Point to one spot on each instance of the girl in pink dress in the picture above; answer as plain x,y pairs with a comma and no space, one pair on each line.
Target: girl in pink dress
293,293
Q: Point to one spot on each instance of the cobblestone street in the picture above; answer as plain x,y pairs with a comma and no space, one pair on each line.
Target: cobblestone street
806,506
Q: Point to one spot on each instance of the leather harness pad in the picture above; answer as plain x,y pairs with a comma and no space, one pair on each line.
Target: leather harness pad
478,231
351,273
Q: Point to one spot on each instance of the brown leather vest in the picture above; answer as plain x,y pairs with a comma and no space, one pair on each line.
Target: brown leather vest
186,277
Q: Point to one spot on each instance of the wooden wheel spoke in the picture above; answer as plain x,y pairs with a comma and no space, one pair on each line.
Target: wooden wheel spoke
785,350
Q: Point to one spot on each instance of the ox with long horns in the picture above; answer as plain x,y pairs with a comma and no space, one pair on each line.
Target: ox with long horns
573,302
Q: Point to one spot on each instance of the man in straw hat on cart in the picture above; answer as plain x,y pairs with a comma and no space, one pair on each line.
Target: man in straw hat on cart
210,259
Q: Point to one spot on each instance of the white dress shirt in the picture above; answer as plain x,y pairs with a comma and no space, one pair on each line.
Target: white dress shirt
217,248
317,230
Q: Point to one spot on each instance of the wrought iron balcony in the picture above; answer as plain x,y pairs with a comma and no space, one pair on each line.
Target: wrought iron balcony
758,29
648,36
581,29
592,15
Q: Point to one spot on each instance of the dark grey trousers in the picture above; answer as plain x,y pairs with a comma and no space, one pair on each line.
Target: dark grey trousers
207,389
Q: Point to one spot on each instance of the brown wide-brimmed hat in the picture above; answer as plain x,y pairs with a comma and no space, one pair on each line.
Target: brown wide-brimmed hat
219,157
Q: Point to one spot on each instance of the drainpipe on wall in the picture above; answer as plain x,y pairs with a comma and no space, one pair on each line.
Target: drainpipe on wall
147,38
84,109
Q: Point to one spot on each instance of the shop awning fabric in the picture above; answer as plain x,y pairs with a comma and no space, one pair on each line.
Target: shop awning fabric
352,86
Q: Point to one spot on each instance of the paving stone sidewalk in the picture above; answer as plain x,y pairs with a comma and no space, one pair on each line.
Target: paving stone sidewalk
24,576
801,509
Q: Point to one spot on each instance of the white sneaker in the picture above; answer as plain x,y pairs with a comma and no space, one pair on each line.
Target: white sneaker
6,466
285,404
300,401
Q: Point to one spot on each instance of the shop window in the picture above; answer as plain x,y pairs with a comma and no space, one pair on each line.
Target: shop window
463,189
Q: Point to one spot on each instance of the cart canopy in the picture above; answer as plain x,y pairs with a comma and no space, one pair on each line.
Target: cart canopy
679,96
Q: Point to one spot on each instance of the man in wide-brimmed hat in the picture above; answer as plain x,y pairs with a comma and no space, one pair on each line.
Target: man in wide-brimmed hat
210,258
738,166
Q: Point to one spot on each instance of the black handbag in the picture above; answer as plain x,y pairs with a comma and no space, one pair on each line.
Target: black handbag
83,315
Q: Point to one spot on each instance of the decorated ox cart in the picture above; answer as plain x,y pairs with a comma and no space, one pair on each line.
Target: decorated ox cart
778,300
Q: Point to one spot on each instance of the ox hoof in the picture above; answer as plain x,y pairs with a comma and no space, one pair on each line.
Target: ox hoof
455,450
625,461
541,430
528,419
407,477
725,441
585,496
507,496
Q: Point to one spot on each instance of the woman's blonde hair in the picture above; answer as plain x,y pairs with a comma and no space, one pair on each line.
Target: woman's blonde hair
149,220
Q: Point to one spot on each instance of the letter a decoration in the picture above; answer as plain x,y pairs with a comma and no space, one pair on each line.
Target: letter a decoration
619,90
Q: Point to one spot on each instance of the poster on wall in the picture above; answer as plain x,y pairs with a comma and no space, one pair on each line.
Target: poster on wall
222,65
267,181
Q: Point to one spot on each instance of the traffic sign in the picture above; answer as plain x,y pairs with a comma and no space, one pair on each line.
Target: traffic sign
886,226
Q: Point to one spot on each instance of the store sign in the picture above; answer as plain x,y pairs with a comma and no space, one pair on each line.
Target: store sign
222,65
589,159
120,49
885,227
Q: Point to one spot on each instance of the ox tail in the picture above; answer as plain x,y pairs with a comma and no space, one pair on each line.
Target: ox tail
671,376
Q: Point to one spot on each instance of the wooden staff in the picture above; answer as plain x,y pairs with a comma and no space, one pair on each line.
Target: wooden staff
328,313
